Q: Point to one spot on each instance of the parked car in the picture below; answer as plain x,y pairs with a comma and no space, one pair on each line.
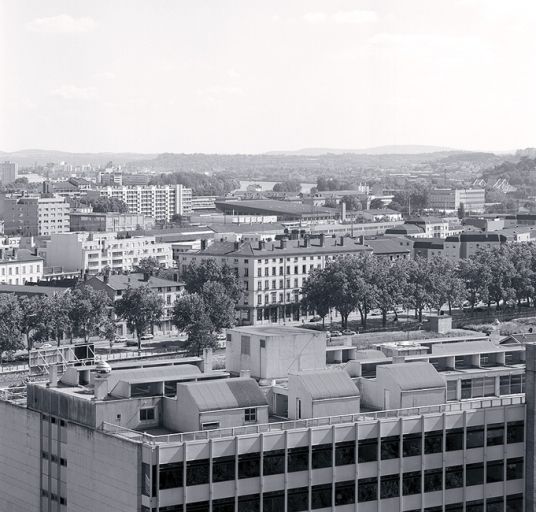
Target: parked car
120,339
315,319
335,334
348,332
147,337
132,342
221,336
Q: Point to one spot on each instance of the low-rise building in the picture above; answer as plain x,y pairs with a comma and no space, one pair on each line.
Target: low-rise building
468,244
109,222
95,251
449,199
20,267
379,215
432,227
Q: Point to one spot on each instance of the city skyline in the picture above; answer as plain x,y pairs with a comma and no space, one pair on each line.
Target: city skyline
251,78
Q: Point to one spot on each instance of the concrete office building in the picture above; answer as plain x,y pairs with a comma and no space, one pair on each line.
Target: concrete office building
177,436
34,215
95,251
159,202
449,199
8,172
111,222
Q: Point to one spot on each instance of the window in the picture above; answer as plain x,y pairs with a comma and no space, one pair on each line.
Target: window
475,437
344,493
474,506
367,489
474,474
495,434
411,483
250,415
197,472
367,450
210,425
453,477
514,502
345,453
249,465
515,432
454,439
495,504
433,441
390,486
321,456
514,468
433,480
249,503
223,468
147,414
452,390
273,501
273,462
321,496
298,499
495,471
171,475
411,445
221,505
298,459
390,447
245,345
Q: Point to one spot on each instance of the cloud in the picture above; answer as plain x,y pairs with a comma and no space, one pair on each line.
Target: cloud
61,24
342,17
72,92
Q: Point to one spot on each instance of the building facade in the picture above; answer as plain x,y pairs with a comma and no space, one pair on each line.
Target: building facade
448,199
8,172
35,216
95,251
159,202
20,268
111,222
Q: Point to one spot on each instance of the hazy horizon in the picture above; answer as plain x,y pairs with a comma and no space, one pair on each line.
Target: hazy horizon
242,77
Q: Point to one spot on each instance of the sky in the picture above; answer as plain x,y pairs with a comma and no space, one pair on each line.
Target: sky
247,76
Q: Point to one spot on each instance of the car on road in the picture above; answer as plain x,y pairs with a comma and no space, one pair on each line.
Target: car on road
120,339
146,337
315,319
336,334
42,345
348,332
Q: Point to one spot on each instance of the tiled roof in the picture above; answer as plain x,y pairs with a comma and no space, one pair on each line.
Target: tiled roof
135,280
388,246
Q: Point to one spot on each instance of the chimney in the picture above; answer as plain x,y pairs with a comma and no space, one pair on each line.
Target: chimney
343,211
52,376
322,239
100,386
207,360
283,244
306,242
106,275
342,240
399,359
236,246
203,244
262,245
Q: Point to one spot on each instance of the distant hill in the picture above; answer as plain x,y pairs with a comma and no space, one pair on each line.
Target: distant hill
29,157
378,150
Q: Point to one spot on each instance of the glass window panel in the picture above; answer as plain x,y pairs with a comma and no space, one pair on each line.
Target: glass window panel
454,439
321,496
474,474
345,453
344,493
411,445
433,441
367,450
298,459
433,480
390,447
171,475
249,465
223,468
514,503
411,483
495,434
367,489
453,477
514,468
273,501
274,462
298,499
494,471
475,437
322,456
515,432
197,472
390,486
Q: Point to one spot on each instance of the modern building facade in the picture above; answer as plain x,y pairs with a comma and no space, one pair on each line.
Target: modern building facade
110,222
177,436
95,251
35,215
159,202
449,199
8,172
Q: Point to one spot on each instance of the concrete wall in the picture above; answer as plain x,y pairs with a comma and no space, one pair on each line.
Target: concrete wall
103,472
20,459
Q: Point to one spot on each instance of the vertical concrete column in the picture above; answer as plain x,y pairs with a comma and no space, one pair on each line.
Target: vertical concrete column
530,431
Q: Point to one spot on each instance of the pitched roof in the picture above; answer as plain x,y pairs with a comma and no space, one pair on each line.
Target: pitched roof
134,280
21,289
324,384
405,229
220,394
388,246
465,347
413,375
156,374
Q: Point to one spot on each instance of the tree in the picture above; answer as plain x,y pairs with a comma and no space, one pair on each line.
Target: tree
88,311
352,202
314,294
196,275
476,279
390,282
191,315
106,204
141,308
219,306
10,322
393,205
287,186
419,296
376,204
149,266
30,307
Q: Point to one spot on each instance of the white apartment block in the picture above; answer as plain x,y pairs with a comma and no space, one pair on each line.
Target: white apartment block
21,269
8,172
448,199
94,251
159,202
35,215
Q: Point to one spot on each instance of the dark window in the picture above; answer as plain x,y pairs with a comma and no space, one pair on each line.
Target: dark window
344,493
171,475
249,465
250,503
345,453
298,459
199,506
433,441
197,472
273,501
474,474
148,479
454,507
321,496
514,503
147,414
367,489
433,480
367,450
454,439
223,505
390,447
274,462
411,445
495,434
514,468
474,506
475,437
411,483
298,499
515,432
223,468
250,415
454,477
495,504
390,486
321,456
